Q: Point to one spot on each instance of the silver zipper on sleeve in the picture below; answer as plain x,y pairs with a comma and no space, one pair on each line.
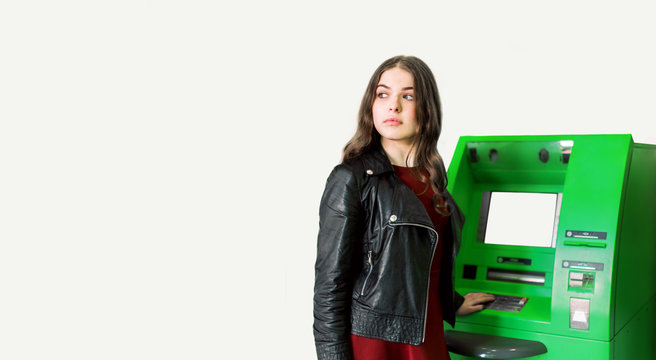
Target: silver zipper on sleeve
371,267
423,336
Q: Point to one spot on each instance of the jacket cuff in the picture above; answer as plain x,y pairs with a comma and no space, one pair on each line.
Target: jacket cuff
457,300
332,351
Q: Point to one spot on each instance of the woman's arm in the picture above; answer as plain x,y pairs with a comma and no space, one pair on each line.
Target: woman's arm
339,240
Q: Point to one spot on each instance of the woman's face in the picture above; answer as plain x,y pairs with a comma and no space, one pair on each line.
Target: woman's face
394,107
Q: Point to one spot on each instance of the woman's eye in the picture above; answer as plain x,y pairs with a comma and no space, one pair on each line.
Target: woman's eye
408,97
381,95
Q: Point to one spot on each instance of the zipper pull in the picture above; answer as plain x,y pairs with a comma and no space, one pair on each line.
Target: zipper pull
371,268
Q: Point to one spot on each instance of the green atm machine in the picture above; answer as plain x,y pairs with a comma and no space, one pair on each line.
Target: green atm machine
562,229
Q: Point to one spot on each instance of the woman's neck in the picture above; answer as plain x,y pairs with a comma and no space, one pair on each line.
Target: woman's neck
398,153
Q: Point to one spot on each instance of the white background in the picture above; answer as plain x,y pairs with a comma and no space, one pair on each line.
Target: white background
161,162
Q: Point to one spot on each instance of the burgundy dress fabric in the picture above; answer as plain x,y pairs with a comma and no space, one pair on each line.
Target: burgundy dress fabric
434,345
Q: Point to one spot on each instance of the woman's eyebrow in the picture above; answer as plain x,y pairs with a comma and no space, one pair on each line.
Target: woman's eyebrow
405,88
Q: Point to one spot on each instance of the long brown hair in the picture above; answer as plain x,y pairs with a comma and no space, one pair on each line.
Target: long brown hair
428,111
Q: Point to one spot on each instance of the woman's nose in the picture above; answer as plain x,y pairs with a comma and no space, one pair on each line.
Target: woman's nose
394,106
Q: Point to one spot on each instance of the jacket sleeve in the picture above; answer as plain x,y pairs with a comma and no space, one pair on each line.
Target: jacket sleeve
458,300
451,300
459,221
338,243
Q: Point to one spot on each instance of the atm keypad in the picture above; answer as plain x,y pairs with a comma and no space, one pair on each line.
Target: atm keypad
507,303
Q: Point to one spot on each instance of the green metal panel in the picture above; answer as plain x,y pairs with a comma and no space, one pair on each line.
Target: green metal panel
636,339
605,242
635,284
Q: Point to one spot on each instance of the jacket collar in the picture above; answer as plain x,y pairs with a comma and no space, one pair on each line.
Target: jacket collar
377,161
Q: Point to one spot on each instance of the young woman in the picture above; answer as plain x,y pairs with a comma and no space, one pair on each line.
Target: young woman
389,230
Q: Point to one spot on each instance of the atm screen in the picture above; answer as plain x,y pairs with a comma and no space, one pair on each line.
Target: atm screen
519,218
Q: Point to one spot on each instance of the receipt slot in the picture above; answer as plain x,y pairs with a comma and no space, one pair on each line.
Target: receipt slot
562,229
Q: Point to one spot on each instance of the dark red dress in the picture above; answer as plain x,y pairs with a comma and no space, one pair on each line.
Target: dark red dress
434,345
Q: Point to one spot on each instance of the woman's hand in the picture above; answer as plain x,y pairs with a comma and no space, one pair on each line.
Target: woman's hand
473,303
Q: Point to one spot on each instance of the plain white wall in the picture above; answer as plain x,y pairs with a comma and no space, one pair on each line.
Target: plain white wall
162,161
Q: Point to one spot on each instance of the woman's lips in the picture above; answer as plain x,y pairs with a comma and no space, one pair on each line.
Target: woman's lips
392,121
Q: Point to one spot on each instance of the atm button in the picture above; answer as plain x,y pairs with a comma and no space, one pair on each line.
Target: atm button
576,283
576,276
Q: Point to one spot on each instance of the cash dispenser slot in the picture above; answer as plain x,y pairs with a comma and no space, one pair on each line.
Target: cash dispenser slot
514,260
516,276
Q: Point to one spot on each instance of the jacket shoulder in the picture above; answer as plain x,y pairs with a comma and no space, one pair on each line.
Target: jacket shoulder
371,162
349,171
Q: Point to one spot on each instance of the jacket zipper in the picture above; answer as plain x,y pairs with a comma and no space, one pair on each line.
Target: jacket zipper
423,335
371,268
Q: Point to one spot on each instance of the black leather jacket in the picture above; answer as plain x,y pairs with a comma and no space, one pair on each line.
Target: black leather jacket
375,247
